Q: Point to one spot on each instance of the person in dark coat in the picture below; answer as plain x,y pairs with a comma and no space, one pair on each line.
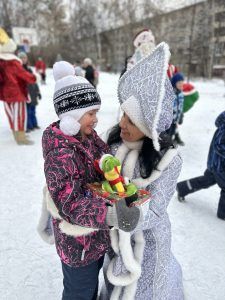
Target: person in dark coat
89,71
33,94
215,172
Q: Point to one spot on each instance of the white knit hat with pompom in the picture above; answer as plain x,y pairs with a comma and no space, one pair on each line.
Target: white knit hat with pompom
73,97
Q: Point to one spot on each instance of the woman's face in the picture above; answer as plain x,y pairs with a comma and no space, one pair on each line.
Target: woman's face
129,132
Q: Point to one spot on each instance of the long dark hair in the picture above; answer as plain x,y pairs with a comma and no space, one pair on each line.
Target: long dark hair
148,157
125,65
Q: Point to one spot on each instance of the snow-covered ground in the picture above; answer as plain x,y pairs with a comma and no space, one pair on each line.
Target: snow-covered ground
30,269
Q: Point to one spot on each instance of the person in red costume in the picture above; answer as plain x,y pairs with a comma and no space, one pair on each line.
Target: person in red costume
13,88
40,68
172,70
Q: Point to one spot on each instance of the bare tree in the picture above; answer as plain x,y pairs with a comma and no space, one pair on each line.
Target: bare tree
47,16
126,18
85,28
18,13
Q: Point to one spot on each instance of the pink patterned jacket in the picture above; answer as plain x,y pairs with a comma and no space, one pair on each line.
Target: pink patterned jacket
68,168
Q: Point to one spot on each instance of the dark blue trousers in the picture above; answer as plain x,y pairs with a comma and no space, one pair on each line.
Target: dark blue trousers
81,283
31,116
203,182
172,130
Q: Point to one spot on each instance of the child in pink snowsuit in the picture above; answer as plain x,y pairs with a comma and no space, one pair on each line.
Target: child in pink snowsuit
70,147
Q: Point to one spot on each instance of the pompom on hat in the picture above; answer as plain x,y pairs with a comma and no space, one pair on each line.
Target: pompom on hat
73,97
7,45
146,94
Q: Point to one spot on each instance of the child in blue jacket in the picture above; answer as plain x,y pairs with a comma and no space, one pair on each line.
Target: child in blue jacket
177,82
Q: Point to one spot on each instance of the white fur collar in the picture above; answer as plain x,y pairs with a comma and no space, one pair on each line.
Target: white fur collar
131,150
132,259
134,145
130,162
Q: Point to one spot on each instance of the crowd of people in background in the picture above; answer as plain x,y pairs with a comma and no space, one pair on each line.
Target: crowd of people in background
19,86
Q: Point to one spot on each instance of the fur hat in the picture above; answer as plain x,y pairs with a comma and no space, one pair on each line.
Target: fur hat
7,45
73,97
146,94
144,36
144,42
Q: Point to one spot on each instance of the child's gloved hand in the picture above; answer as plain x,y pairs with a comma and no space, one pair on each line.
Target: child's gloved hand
122,217
39,96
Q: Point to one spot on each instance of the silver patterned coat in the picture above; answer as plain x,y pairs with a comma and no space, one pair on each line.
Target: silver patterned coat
150,271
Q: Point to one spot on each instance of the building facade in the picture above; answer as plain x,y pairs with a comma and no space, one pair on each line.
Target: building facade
218,37
186,31
195,34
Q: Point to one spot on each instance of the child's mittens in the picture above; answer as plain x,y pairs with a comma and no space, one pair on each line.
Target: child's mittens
44,227
122,217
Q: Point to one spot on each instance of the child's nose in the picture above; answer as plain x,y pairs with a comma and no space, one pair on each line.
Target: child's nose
95,119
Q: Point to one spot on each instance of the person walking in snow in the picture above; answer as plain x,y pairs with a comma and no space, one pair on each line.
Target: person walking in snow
33,94
215,172
79,71
146,270
80,220
40,68
177,82
144,43
172,70
13,88
89,71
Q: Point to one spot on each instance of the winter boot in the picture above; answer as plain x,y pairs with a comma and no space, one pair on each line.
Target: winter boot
221,206
220,216
179,197
183,189
178,140
21,138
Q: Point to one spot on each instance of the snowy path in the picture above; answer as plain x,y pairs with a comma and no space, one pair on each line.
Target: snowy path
30,269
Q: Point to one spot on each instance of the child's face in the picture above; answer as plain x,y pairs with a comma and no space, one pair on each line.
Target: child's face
24,60
179,85
88,121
